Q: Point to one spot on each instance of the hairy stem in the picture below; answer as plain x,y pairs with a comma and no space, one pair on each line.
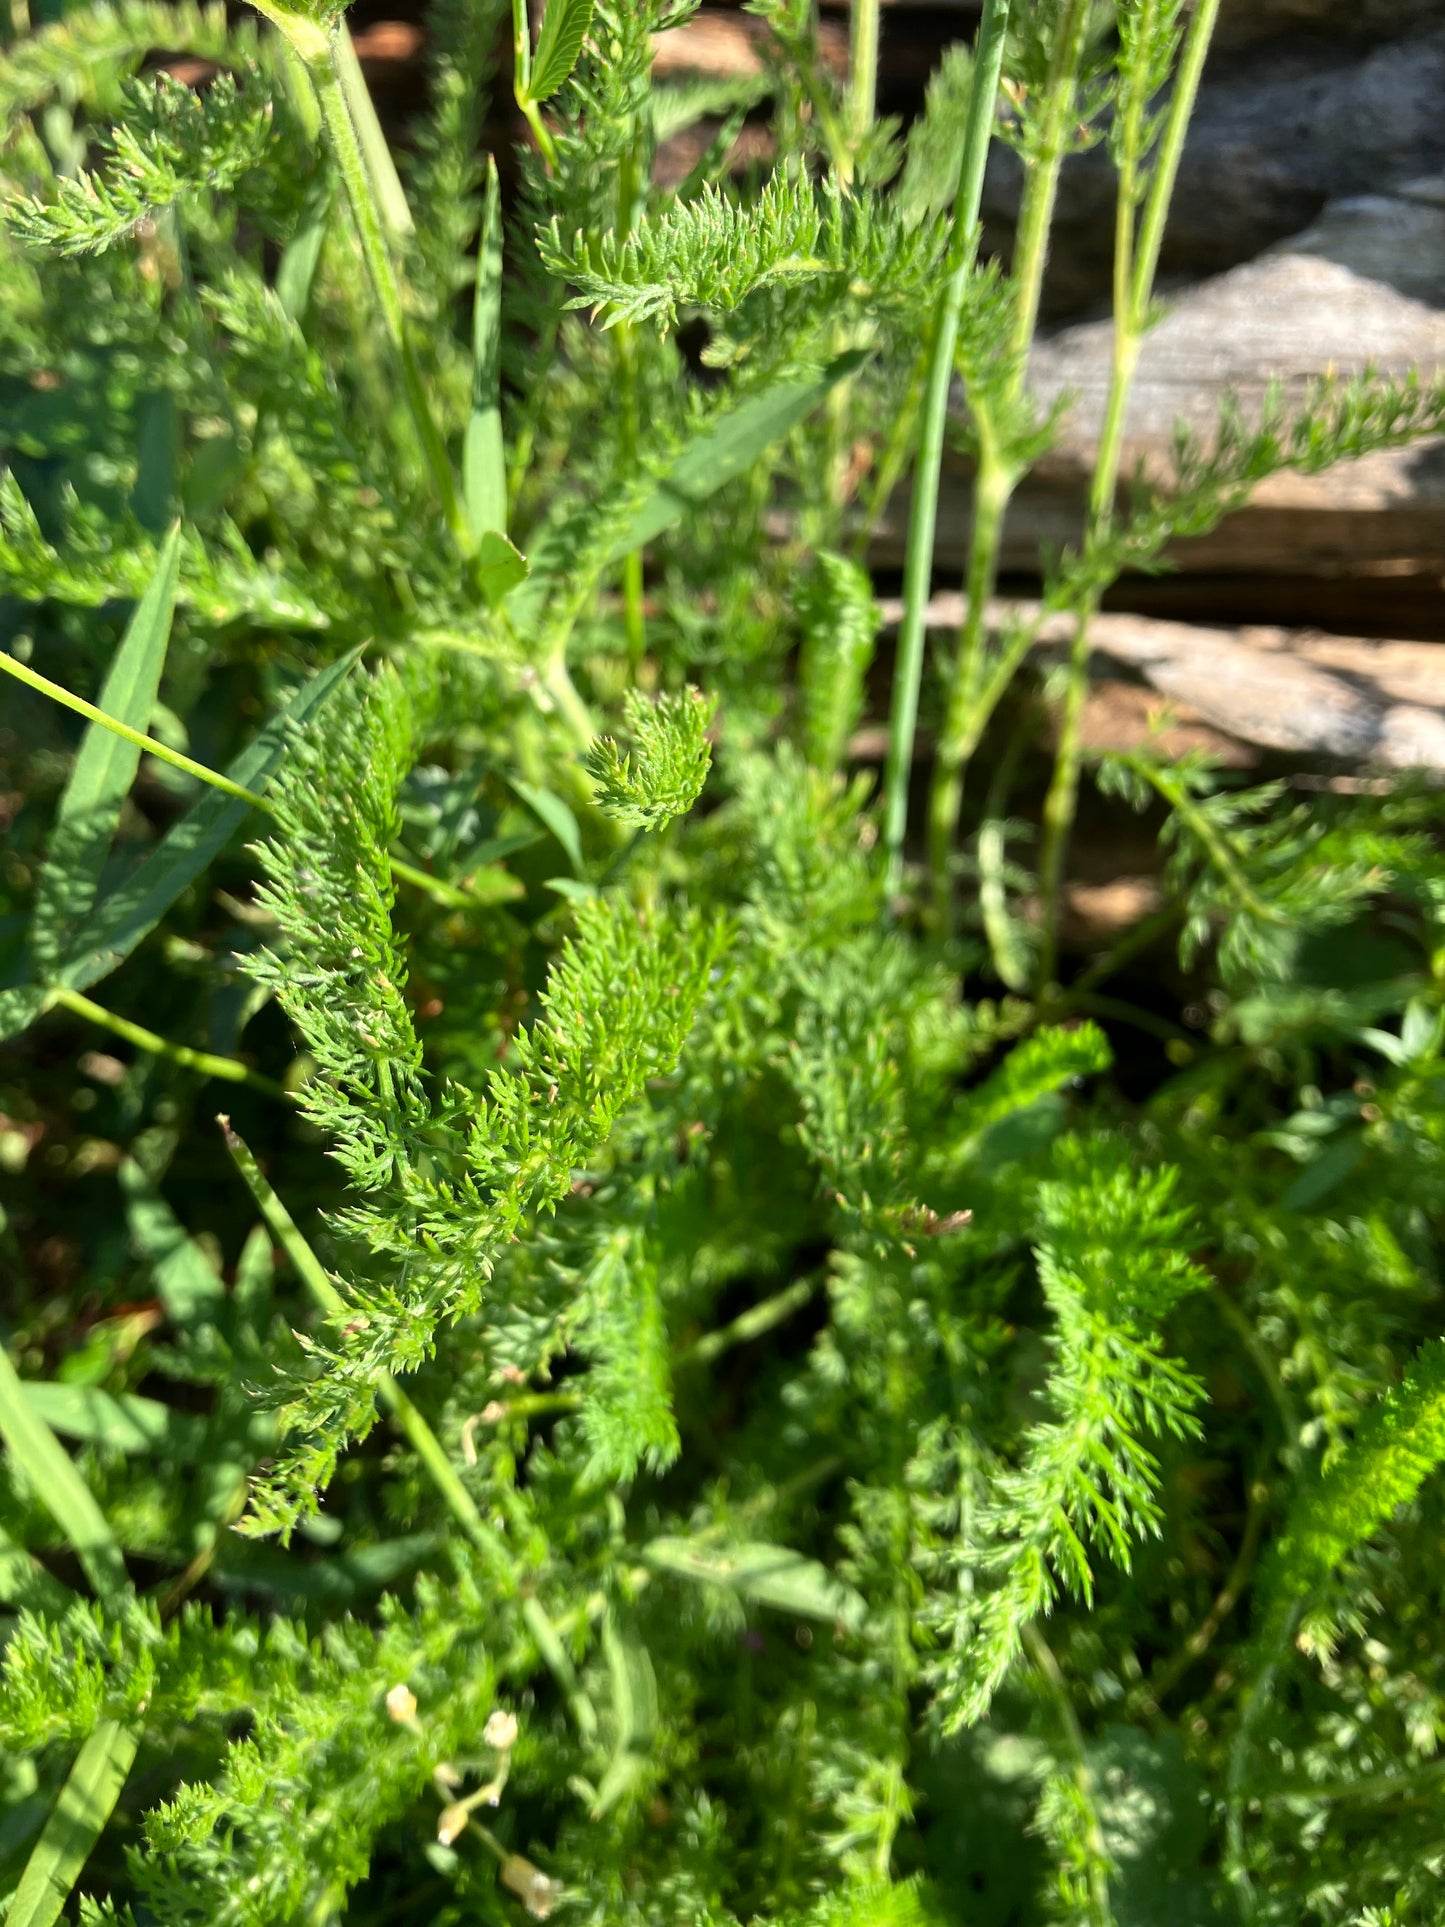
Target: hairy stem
231,1069
1135,270
923,518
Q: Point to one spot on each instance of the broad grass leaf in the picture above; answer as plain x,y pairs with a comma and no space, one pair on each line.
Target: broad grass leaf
35,1449
484,460
24,1582
564,28
556,815
185,1279
133,909
104,769
86,1802
124,1421
768,1575
728,447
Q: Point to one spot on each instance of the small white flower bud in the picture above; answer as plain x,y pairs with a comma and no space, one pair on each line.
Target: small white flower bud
401,1704
500,1730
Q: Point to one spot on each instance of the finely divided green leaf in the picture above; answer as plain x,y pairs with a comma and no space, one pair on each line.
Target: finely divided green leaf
86,1802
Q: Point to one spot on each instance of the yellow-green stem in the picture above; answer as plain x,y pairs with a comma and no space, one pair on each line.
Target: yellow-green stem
522,83
229,1068
634,618
923,517
443,892
862,70
22,672
1134,293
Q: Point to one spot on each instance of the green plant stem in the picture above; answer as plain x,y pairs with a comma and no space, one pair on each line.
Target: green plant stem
22,672
444,893
229,1068
895,454
419,1435
634,619
753,1323
390,194
1199,1641
1135,269
967,709
522,84
367,201
923,516
1100,1912
863,26
1271,1650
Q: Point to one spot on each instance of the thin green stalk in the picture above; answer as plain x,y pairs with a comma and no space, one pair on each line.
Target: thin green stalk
923,517
419,1435
895,454
390,194
863,28
967,709
1100,1913
325,67
229,1068
444,893
753,1323
22,672
634,619
522,83
1135,268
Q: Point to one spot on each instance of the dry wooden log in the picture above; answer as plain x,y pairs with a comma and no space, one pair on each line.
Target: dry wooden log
1333,299
1277,134
1300,693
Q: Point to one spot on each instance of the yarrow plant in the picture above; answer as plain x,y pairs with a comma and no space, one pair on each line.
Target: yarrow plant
604,1324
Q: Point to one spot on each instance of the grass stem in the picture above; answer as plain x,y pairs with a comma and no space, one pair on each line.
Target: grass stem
923,518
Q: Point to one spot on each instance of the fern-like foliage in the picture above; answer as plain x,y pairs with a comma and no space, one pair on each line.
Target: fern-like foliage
446,1182
713,253
172,143
1111,1268
839,621
662,775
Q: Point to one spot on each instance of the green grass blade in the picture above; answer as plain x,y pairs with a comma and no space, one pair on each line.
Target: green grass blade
184,1278
124,1421
484,461
564,28
59,1487
19,1007
104,769
727,448
134,908
86,1802
24,1582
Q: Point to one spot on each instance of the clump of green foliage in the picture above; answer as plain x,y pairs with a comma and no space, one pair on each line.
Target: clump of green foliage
688,1385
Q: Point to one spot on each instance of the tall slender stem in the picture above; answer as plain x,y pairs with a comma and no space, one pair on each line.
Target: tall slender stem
324,65
634,618
862,70
923,518
1133,293
1100,1912
522,83
967,709
231,1069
